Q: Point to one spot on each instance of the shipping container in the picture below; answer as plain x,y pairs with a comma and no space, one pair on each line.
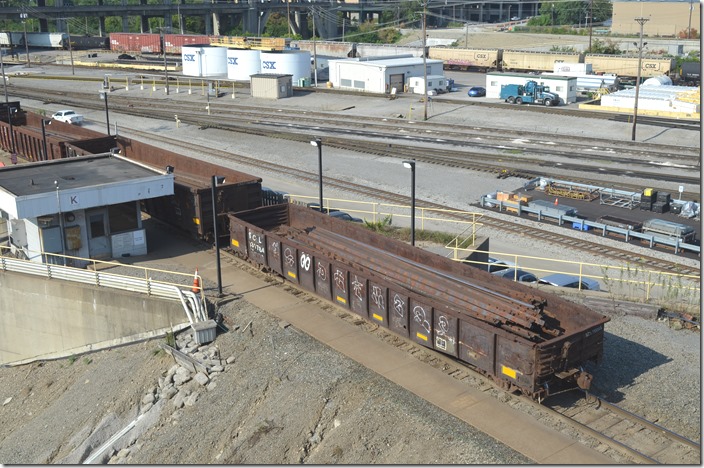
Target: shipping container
525,339
174,42
135,43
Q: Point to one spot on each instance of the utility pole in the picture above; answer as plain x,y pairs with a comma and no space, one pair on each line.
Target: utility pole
166,68
640,21
591,20
315,55
425,67
23,16
689,27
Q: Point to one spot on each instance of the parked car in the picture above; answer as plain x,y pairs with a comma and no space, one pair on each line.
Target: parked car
345,216
316,207
516,275
495,264
476,91
570,281
68,116
270,196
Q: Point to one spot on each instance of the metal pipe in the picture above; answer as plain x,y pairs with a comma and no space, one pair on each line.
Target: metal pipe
104,95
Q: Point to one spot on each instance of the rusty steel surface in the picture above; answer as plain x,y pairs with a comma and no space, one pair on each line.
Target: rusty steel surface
525,339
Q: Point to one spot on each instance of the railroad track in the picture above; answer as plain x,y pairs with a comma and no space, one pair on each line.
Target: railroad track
629,438
557,239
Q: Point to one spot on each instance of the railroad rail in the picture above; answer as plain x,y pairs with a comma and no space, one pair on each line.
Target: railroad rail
630,438
555,238
519,154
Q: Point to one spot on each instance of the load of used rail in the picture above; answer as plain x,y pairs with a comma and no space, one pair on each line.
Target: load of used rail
445,284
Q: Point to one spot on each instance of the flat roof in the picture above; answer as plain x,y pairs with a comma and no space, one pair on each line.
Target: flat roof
71,173
396,62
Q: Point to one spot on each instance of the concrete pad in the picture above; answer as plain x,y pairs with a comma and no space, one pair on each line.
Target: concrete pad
520,432
429,383
371,353
326,329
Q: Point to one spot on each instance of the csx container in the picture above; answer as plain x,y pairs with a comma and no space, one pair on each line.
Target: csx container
523,338
289,62
204,61
464,59
243,63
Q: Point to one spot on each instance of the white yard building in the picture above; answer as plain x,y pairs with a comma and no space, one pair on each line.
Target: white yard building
564,86
380,75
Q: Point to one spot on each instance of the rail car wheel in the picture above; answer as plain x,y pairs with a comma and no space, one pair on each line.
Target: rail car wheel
511,100
519,101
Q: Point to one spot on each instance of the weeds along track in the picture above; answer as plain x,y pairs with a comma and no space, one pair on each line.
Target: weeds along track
364,192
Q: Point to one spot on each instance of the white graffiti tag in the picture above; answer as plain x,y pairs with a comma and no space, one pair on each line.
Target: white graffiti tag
340,280
443,325
358,288
321,271
288,257
399,305
419,316
378,298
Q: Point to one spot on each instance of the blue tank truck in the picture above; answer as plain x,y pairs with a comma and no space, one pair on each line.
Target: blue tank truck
531,93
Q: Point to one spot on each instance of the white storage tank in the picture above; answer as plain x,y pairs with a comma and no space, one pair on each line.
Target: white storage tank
243,63
661,80
204,61
289,62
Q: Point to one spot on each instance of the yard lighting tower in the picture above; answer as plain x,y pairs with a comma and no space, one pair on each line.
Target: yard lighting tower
640,21
217,180
23,17
7,101
104,95
412,166
425,66
319,144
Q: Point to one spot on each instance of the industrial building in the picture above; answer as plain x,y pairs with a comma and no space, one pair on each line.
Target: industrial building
86,207
380,75
564,86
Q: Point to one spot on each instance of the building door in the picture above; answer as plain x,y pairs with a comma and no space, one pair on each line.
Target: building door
396,81
98,234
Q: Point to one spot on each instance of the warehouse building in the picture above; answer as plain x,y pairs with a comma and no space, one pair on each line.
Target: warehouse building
564,86
380,75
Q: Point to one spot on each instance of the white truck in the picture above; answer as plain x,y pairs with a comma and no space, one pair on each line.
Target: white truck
68,116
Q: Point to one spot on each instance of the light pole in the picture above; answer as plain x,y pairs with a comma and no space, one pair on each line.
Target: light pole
259,23
217,180
552,14
640,21
44,124
319,144
23,16
104,95
425,68
412,166
166,69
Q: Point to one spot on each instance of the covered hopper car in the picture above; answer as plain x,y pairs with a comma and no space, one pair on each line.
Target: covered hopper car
467,59
627,66
52,40
524,339
522,60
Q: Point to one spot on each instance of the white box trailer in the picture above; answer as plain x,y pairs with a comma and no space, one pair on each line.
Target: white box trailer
437,83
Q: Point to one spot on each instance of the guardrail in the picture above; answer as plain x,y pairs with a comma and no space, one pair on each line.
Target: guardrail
142,281
584,225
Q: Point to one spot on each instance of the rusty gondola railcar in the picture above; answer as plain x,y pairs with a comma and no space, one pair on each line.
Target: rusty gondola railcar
525,339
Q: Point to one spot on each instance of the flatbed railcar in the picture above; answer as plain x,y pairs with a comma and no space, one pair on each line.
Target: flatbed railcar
523,338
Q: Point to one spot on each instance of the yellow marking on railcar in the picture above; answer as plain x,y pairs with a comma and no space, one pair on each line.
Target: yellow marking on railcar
378,317
508,371
422,336
291,274
196,221
235,242
341,299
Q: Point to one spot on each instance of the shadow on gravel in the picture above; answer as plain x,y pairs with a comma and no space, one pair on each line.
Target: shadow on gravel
624,360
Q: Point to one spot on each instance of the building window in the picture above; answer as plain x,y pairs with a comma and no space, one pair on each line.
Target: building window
346,82
359,84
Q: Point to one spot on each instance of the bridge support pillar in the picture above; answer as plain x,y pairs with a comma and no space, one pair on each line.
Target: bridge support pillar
216,24
208,24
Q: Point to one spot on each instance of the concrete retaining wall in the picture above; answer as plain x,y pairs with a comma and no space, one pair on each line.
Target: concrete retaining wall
43,319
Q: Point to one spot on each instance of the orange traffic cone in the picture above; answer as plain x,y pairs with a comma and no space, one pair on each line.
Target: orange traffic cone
556,202
196,283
